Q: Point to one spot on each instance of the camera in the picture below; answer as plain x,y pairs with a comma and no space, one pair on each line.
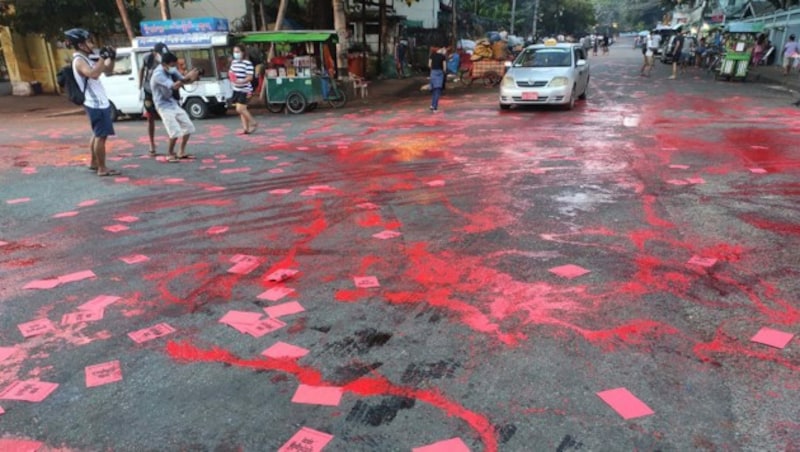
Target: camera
200,71
108,53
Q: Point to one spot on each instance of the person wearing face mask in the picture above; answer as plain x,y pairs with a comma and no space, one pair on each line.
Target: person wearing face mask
175,119
241,75
150,63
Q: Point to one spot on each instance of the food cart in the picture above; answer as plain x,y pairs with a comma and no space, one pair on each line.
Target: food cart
303,74
739,42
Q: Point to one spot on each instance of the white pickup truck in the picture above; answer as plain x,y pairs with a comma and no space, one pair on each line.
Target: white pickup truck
207,51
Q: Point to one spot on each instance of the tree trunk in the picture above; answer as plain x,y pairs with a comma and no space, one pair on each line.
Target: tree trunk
126,21
381,36
165,14
340,25
263,13
281,14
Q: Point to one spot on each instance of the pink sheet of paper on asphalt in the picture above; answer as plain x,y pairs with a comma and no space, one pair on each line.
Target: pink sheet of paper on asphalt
280,310
116,228
245,264
42,284
318,395
569,271
235,170
127,219
173,180
321,188
29,170
702,261
7,352
241,317
306,440
283,350
282,274
121,180
2,243
368,206
625,403
213,230
20,445
281,191
275,293
71,213
448,445
695,180
679,166
103,374
366,282
134,259
17,200
275,171
435,183
71,318
77,276
28,390
387,234
153,332
88,202
262,327
36,327
757,170
214,188
773,338
99,303
677,182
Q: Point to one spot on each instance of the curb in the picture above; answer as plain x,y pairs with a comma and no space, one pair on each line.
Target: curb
64,113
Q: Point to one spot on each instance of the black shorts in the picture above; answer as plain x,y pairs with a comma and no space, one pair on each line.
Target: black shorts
240,97
149,105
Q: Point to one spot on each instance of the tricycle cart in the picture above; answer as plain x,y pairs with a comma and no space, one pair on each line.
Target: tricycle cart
486,69
303,75
734,65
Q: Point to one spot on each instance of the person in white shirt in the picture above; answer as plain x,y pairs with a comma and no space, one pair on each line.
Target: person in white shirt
87,68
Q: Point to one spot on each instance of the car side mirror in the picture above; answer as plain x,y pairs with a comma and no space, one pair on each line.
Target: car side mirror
507,64
580,63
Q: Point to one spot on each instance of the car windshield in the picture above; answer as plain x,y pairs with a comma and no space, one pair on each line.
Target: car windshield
544,58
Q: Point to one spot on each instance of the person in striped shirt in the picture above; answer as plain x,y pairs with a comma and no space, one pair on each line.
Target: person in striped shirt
241,75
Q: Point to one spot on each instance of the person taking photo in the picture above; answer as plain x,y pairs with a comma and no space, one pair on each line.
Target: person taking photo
87,68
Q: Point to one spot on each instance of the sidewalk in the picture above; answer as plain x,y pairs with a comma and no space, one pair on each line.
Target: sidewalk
52,105
773,75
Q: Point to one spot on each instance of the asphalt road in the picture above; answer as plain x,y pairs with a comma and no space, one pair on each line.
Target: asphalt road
679,197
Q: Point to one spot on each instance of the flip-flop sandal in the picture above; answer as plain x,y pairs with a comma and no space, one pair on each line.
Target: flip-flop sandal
91,168
186,157
110,173
152,153
173,159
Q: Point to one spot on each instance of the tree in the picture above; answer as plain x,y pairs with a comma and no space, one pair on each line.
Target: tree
340,25
126,21
100,17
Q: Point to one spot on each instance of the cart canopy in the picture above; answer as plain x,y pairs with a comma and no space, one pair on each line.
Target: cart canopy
290,36
744,27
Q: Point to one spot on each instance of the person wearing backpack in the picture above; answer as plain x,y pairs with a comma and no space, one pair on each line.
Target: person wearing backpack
86,70
151,61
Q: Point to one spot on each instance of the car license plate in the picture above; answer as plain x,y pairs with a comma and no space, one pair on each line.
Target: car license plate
530,96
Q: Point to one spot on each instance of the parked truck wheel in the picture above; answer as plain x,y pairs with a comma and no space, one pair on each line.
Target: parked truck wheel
196,108
114,112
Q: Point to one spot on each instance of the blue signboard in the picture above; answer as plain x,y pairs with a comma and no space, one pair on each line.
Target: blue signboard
182,40
179,26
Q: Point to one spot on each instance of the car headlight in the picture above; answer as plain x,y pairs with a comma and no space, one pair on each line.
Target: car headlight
508,82
558,81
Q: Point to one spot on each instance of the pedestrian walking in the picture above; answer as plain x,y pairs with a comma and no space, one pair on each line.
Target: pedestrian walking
606,43
648,49
595,44
400,52
150,63
437,64
175,119
241,74
790,52
87,68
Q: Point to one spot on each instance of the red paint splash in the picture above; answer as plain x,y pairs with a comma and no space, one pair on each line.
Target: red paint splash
375,385
650,215
770,225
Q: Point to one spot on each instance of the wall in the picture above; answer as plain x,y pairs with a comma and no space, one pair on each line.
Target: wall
228,9
425,10
779,26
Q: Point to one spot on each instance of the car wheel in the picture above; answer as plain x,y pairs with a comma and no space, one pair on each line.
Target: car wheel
585,90
114,112
571,104
196,108
505,106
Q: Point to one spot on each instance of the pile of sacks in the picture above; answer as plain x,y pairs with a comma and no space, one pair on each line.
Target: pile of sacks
485,49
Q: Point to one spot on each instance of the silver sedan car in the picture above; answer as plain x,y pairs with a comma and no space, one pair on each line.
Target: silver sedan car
546,74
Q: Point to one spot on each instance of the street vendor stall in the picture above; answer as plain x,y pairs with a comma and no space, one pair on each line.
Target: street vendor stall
302,75
739,42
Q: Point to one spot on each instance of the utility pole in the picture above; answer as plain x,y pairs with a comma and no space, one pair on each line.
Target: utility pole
535,19
513,11
455,25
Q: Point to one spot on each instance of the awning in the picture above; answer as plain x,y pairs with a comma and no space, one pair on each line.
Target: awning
290,36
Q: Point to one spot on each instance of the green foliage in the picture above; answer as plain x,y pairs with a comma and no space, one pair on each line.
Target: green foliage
99,17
